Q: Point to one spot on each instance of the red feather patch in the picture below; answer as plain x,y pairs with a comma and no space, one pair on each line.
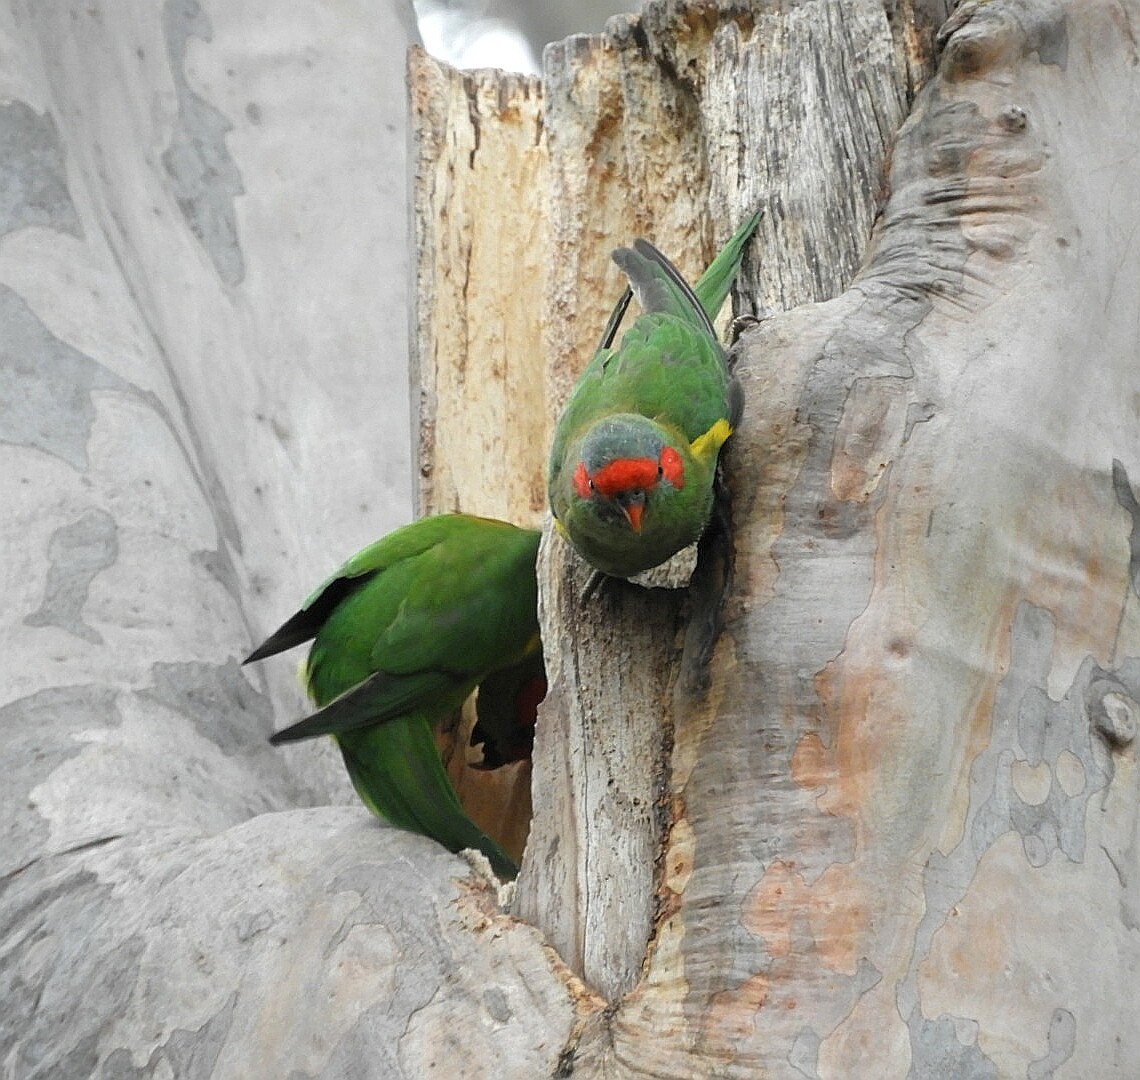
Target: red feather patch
630,474
582,481
672,467
625,474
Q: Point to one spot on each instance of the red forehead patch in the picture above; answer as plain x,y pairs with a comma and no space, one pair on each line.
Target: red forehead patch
625,474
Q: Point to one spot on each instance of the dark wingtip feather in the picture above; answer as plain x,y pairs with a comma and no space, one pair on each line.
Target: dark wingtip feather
305,625
616,316
380,697
299,629
279,738
308,728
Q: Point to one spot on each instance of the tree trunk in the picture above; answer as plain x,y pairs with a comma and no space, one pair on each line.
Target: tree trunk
773,847
860,801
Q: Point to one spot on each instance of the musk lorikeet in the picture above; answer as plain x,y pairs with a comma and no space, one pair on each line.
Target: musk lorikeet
402,634
633,462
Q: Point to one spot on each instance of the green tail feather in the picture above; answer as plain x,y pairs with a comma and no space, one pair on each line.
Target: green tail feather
397,772
713,288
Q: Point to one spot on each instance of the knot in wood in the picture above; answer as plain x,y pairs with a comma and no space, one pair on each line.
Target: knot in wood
1013,118
1114,713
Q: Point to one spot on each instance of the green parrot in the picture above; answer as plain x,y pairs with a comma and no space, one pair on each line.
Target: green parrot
633,461
402,634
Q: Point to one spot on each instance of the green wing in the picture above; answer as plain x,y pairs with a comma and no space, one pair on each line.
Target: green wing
413,621
404,543
469,605
377,699
438,619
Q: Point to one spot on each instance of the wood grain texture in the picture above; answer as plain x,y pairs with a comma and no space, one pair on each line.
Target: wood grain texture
480,235
656,129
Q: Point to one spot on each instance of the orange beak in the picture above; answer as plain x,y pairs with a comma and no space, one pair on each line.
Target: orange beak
633,512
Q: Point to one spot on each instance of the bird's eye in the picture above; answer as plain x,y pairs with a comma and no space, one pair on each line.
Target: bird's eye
593,486
583,482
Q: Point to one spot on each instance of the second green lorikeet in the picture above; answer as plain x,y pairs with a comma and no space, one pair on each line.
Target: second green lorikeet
633,462
402,634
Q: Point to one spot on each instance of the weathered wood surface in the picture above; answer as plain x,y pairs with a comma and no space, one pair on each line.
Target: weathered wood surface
480,211
480,237
653,145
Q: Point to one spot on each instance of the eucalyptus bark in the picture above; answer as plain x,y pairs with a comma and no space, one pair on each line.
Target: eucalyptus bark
861,801
901,695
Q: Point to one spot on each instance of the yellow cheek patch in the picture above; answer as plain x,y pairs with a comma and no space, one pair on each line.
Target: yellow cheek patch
706,447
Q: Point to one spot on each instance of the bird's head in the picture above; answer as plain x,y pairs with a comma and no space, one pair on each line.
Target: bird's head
625,466
630,494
